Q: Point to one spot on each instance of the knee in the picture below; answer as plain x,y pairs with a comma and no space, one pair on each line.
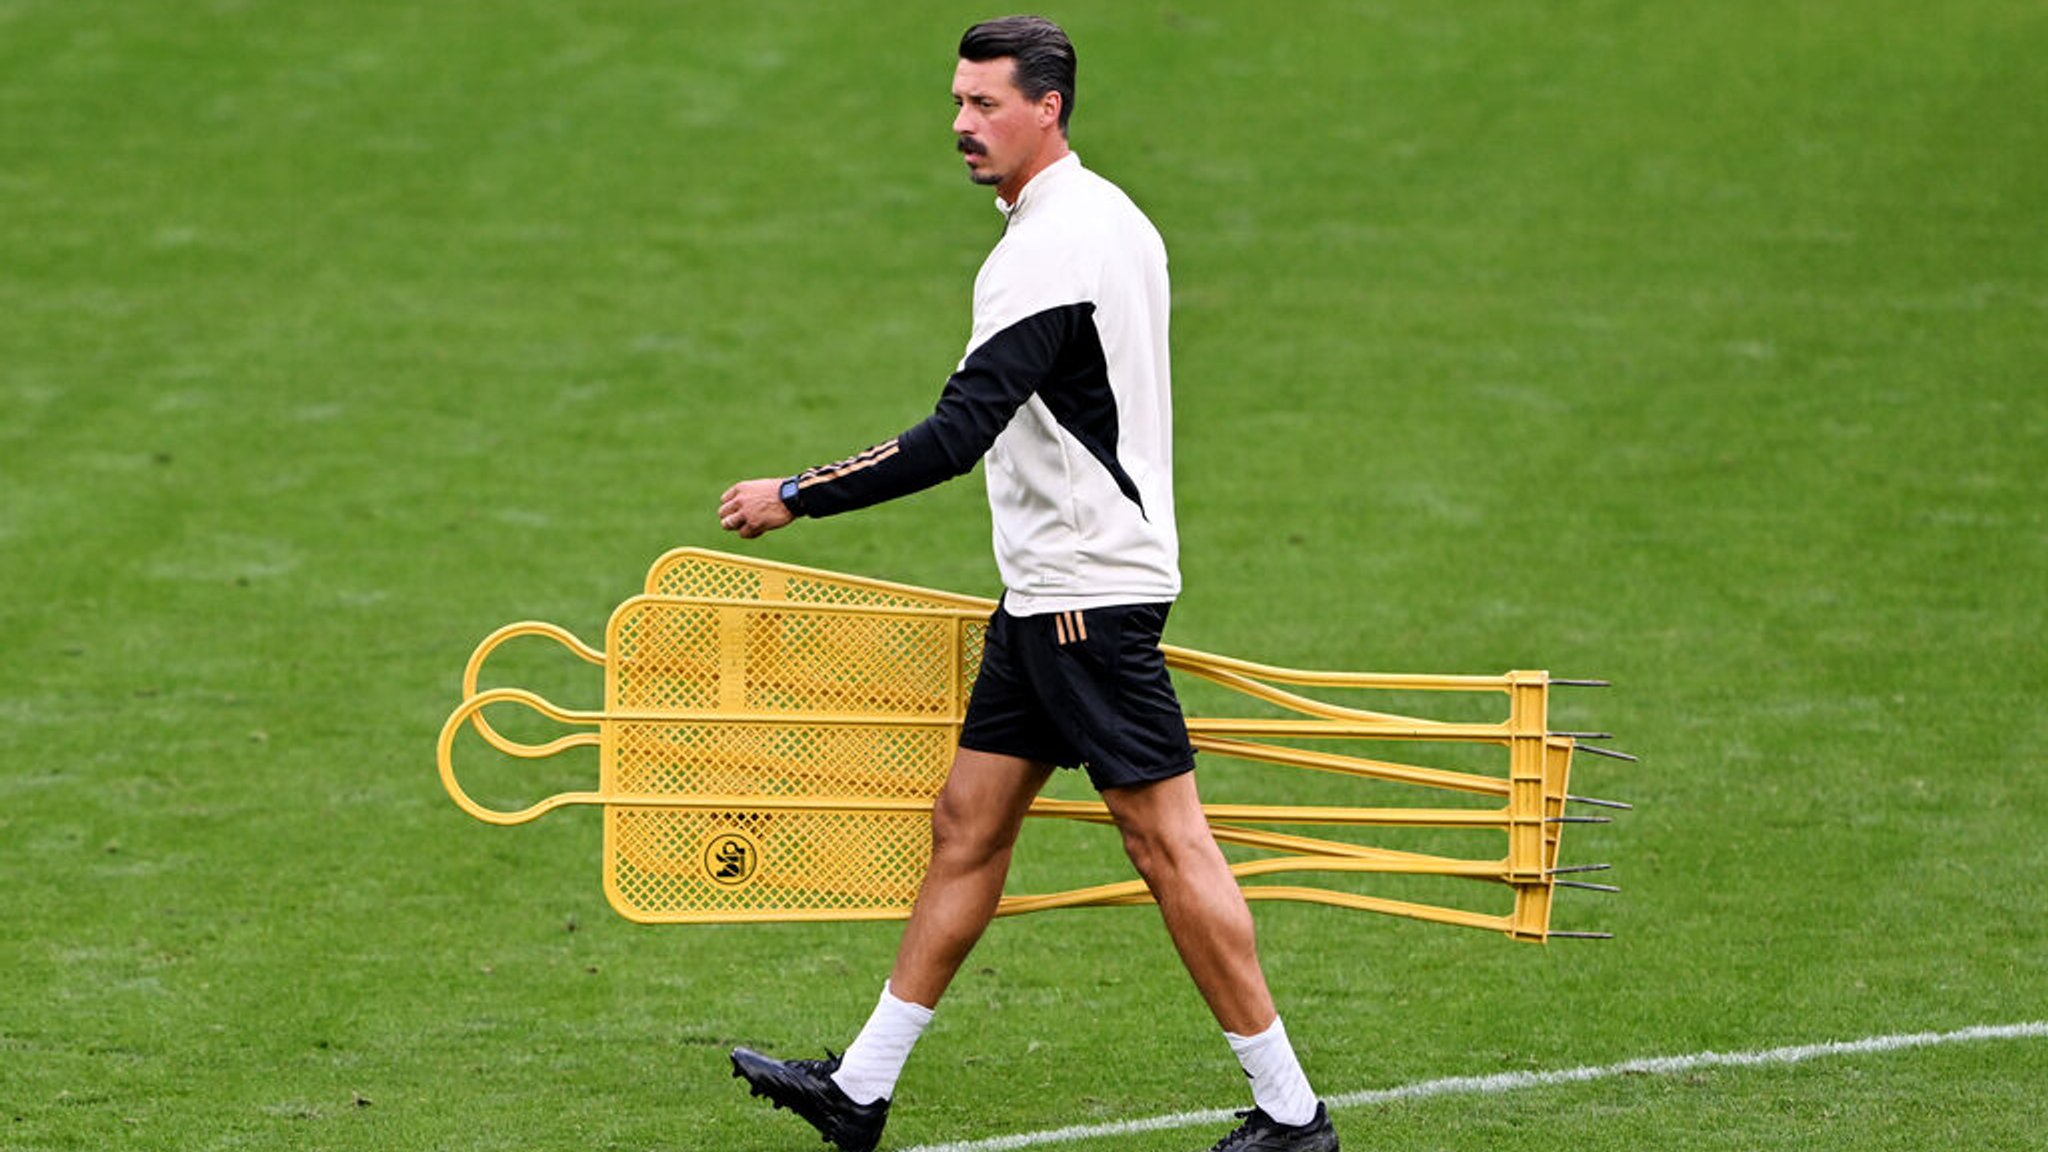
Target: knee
959,837
1158,852
1143,849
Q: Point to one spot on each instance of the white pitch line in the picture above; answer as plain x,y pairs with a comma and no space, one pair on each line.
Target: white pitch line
1511,1081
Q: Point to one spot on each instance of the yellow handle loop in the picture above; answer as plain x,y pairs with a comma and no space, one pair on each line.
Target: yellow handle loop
472,708
474,669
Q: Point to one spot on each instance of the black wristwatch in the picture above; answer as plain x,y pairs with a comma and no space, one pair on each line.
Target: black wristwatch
792,496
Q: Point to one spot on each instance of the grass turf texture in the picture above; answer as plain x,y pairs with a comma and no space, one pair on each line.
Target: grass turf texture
1695,346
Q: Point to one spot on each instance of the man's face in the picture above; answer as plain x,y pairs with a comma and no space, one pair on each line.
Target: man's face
998,130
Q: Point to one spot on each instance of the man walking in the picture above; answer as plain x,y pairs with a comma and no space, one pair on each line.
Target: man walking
1064,392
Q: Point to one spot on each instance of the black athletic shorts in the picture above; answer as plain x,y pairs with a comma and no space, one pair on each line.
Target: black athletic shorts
1081,689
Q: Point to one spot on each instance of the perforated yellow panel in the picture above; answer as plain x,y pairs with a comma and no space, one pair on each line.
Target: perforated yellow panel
670,866
744,701
739,863
679,758
675,655
707,575
696,572
772,738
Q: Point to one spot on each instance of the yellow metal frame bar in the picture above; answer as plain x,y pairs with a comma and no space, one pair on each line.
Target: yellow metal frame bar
704,609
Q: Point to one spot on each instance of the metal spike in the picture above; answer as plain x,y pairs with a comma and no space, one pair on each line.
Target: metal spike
1582,935
1581,684
1571,868
1586,735
1579,820
1599,803
1610,753
1586,886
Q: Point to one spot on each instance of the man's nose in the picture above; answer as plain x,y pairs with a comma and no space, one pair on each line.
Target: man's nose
962,123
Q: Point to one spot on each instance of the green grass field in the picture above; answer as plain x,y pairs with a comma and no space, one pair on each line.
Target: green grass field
1700,347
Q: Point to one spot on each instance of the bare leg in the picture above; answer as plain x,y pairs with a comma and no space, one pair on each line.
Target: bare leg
1168,840
974,827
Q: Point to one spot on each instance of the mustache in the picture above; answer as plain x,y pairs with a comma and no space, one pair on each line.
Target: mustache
971,146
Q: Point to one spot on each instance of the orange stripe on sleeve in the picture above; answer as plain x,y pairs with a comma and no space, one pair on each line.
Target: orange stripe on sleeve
829,472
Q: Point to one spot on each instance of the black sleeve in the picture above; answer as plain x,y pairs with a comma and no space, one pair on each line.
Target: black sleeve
978,402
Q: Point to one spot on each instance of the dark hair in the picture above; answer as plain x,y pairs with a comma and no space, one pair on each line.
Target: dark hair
1044,56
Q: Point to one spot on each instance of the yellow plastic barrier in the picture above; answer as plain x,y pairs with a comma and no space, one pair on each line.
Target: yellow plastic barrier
772,738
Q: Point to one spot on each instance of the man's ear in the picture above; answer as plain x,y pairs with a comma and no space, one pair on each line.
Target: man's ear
1049,108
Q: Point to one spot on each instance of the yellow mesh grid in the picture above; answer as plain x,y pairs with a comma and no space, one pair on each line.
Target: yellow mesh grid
701,573
676,655
674,757
667,865
772,738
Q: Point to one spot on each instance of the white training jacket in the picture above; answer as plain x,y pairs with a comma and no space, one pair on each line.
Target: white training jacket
1065,391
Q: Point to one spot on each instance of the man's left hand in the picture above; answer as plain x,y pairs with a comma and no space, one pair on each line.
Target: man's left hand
753,507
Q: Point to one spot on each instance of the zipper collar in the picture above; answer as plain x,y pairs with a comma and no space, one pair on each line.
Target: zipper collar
1034,189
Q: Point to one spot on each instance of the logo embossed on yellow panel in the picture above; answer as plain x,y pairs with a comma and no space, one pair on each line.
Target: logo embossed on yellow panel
731,858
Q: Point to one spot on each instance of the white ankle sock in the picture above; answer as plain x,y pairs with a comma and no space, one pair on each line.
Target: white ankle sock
875,1059
1279,1087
